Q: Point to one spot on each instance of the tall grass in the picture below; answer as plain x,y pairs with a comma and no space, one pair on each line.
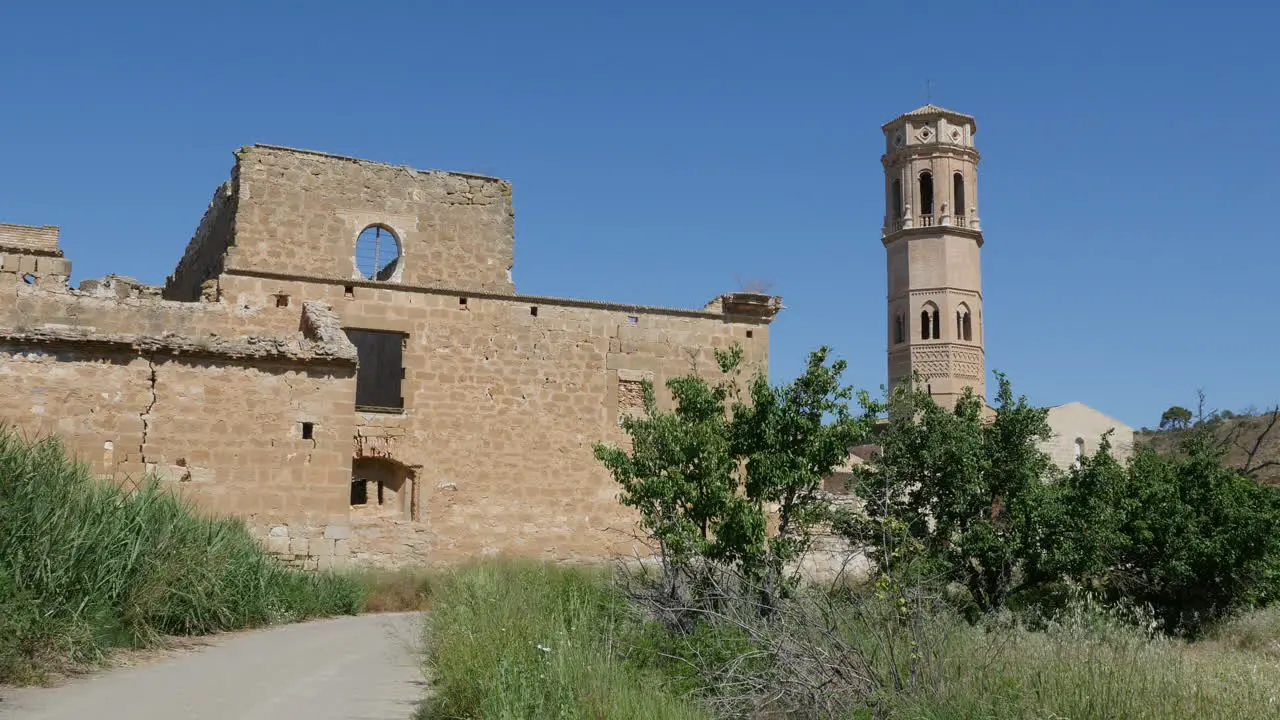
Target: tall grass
1092,669
86,566
511,639
520,640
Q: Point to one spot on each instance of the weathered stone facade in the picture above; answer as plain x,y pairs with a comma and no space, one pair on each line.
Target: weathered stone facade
427,415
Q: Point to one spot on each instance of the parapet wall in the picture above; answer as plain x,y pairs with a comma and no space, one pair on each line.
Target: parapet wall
29,238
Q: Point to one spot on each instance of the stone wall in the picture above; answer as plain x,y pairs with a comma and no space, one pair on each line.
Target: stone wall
254,426
504,397
30,238
206,253
300,213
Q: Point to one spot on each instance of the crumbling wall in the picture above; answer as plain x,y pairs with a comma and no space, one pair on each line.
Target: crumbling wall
299,214
253,425
205,255
30,255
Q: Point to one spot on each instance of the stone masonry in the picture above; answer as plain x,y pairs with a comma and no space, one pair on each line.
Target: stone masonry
419,413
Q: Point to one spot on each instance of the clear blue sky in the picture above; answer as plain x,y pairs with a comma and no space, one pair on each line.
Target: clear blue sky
660,151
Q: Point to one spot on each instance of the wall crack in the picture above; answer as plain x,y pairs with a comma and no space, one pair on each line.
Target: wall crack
145,415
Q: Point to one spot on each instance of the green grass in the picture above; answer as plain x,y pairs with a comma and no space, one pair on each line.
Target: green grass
513,639
1083,672
510,639
87,567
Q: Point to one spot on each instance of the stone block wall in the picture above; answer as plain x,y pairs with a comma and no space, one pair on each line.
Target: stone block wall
300,212
206,253
504,398
254,426
30,238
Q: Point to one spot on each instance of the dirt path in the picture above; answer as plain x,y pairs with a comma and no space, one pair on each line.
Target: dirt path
366,667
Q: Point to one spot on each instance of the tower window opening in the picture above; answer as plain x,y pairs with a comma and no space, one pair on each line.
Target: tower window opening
926,193
964,323
898,329
930,323
957,193
1079,452
897,199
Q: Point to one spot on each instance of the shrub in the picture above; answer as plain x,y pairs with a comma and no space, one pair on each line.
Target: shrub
86,566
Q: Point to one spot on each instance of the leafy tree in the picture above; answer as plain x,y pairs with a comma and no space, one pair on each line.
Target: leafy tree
968,490
706,476
1084,517
1175,418
791,437
1201,537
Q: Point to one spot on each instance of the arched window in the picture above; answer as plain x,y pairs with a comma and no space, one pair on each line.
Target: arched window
930,323
926,193
897,199
898,329
957,193
964,323
1079,452
377,253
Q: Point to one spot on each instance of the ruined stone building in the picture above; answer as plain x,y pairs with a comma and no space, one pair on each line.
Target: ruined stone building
340,355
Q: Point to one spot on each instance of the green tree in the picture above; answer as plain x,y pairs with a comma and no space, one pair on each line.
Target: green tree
1175,418
706,476
1201,537
968,490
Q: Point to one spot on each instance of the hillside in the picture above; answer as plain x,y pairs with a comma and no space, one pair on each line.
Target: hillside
1252,442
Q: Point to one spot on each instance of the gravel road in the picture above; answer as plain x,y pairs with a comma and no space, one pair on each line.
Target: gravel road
366,667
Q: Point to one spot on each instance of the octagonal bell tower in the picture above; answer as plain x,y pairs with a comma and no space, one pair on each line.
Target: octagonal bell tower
933,243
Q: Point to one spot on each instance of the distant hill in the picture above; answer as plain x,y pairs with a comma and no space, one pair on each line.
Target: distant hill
1252,441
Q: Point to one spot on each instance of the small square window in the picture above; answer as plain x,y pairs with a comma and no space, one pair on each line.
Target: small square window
308,430
282,301
750,334
533,310
462,302
633,319
349,291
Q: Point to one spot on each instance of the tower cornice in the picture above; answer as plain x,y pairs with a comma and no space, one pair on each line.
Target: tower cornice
930,150
931,231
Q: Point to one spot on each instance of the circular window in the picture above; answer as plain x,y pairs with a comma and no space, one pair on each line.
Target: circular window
377,253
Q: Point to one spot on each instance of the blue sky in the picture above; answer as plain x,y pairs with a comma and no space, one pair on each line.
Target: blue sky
663,151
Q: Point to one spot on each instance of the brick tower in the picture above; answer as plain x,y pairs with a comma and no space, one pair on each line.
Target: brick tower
933,244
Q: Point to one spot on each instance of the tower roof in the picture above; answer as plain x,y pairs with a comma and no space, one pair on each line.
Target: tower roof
934,110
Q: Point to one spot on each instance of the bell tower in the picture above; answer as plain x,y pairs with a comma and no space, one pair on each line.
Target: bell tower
933,243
